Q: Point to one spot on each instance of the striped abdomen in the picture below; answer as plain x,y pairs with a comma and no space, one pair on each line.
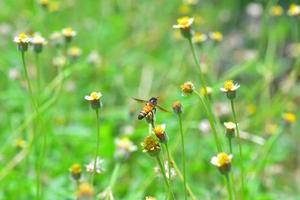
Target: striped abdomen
146,110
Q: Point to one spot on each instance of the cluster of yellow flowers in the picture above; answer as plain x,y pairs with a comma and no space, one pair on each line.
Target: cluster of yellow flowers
293,10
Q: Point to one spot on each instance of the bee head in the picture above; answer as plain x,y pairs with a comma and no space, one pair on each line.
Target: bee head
153,100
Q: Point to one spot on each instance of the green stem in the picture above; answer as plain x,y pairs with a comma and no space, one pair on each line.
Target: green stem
183,155
169,168
35,106
211,122
162,169
240,146
230,144
97,147
228,187
38,74
113,179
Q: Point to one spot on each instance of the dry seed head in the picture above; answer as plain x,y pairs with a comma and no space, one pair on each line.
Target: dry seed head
177,107
151,145
187,88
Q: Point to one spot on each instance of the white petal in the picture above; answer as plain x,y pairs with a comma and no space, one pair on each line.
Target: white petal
214,161
89,98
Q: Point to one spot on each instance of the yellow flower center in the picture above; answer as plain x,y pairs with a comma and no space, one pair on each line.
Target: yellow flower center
229,85
223,159
184,21
23,36
290,117
95,96
159,130
277,10
75,169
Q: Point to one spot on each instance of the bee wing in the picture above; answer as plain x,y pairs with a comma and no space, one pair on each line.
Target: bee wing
139,100
163,109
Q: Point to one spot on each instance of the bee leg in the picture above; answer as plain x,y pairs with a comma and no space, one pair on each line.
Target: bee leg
153,117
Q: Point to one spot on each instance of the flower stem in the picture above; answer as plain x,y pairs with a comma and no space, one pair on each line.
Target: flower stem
230,144
113,180
240,146
228,187
183,155
162,169
35,107
38,74
97,145
169,168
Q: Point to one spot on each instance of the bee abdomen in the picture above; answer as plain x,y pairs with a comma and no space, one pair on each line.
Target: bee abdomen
141,115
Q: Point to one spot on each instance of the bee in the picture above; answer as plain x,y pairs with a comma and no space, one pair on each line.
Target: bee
149,107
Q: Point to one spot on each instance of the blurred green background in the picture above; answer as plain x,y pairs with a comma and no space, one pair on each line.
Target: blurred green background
140,55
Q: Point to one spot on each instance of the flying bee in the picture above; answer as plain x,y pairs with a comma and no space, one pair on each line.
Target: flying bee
149,107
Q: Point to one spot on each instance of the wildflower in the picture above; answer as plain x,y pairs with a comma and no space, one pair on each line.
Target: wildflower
184,9
289,117
230,129
56,39
38,42
44,3
222,161
160,132
276,10
124,148
94,58
216,36
151,145
74,52
85,191
94,98
172,174
184,24
206,92
76,171
13,73
20,143
199,38
177,107
69,34
59,61
204,126
22,40
271,128
150,117
230,88
150,198
294,10
54,7
99,166
187,88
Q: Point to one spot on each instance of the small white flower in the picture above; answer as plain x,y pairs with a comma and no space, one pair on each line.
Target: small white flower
99,166
166,165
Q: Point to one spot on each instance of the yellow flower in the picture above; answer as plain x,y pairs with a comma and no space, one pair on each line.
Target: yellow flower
276,10
199,38
124,148
289,117
184,9
160,132
150,198
20,143
222,161
94,96
74,52
22,38
59,61
151,145
85,190
191,2
68,33
216,36
38,42
184,23
187,88
230,86
76,171
44,3
293,10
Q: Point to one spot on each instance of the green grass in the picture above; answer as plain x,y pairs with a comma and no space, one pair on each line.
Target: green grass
141,57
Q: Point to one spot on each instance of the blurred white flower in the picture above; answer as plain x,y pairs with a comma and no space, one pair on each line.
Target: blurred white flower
94,58
99,166
166,165
254,9
204,126
13,73
124,148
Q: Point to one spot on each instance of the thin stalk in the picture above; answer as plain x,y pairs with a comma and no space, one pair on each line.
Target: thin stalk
38,74
211,122
113,178
97,146
228,185
36,110
169,168
230,144
162,169
240,146
183,155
